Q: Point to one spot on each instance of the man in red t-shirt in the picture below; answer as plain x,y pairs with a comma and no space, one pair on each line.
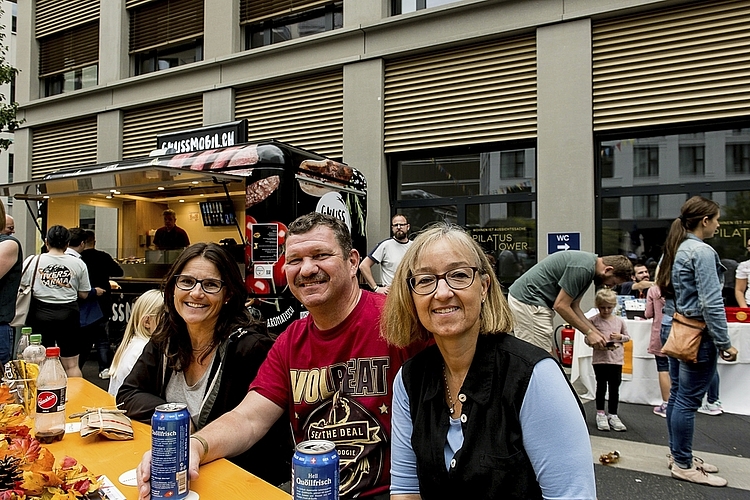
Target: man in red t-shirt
331,373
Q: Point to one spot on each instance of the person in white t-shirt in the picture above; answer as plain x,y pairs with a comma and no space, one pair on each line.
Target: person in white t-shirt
741,290
388,254
60,280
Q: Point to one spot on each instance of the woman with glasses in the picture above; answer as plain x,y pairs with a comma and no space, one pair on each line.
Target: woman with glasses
480,411
205,351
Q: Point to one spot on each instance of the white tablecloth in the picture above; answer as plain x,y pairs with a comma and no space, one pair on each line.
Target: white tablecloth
643,388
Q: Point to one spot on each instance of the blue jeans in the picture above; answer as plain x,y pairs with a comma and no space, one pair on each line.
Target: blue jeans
713,389
689,384
7,341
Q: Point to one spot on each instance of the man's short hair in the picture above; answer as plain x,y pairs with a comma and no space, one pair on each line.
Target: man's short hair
622,267
306,223
77,236
90,237
399,215
169,211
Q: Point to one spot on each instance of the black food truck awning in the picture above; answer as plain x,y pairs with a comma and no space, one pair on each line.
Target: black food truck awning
138,180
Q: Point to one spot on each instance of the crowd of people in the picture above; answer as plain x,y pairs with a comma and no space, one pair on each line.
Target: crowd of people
460,386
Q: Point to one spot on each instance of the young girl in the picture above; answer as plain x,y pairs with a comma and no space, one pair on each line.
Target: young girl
608,362
142,323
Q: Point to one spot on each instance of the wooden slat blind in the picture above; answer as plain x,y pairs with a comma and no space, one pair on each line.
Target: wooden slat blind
165,22
140,126
53,16
307,112
673,65
468,95
252,11
63,145
70,49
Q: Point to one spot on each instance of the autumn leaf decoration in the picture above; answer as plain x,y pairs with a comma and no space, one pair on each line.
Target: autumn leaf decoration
27,469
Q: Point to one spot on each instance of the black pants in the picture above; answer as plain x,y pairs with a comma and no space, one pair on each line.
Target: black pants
608,376
95,335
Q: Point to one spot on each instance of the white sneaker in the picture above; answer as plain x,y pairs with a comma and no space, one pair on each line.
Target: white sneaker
104,374
698,475
616,424
601,422
711,408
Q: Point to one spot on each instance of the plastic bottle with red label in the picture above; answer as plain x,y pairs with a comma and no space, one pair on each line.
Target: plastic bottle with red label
51,384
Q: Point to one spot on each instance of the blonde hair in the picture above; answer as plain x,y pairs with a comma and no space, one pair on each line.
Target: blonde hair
605,296
150,303
399,323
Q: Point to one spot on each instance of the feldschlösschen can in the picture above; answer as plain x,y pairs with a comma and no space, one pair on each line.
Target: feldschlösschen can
315,471
170,451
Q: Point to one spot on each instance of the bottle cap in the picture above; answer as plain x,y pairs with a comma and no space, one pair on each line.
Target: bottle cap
53,352
25,329
35,338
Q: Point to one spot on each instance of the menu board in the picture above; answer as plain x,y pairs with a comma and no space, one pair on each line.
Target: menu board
265,243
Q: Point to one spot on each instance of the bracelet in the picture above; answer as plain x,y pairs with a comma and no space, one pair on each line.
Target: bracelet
202,442
591,330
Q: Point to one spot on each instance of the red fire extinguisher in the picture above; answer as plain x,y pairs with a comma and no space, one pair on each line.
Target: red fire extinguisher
565,354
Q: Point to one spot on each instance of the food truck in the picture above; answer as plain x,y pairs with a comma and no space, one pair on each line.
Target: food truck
241,196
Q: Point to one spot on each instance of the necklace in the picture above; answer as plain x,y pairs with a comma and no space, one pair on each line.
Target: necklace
451,404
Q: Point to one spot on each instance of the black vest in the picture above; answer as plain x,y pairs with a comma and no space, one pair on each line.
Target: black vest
492,462
9,284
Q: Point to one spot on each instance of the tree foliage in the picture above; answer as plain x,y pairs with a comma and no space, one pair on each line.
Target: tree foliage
8,110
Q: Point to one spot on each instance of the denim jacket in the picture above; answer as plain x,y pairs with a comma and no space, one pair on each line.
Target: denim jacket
697,277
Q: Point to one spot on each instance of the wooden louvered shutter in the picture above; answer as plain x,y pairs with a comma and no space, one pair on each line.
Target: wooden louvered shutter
166,22
69,49
53,16
253,11
673,65
307,112
468,95
141,126
63,145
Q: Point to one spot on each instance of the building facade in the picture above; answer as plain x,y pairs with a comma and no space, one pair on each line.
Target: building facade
535,124
8,25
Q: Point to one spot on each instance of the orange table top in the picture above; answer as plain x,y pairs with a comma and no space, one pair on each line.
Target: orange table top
218,480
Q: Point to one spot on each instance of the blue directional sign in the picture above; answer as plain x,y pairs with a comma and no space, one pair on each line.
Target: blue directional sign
560,242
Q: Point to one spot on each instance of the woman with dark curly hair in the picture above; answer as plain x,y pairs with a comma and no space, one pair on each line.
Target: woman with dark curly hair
205,352
61,280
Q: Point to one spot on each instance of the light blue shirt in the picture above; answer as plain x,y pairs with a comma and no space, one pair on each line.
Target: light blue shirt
555,438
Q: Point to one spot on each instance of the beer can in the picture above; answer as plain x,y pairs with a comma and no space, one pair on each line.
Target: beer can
170,451
315,471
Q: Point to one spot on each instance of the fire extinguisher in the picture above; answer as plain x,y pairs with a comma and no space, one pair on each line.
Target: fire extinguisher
566,337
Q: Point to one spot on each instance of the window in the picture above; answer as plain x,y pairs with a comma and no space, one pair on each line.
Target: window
692,161
646,161
14,18
738,158
11,166
491,193
304,20
165,34
404,6
69,60
607,162
634,216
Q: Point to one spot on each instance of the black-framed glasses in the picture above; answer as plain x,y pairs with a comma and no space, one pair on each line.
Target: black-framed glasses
457,279
187,283
398,224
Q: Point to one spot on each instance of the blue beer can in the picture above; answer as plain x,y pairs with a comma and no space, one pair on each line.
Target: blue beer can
170,451
315,471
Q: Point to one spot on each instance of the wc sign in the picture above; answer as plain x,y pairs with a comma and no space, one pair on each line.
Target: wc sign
561,242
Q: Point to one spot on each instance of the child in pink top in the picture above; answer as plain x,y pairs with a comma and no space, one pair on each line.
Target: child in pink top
608,362
654,309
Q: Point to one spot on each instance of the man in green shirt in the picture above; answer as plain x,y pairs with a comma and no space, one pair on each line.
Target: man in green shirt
556,284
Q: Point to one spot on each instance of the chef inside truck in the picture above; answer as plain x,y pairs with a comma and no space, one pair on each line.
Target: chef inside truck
170,236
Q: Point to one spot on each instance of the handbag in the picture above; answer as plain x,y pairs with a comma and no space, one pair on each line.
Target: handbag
89,310
684,338
23,299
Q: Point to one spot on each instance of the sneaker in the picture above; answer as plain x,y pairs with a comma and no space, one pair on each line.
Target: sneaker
661,410
697,461
104,374
697,475
616,424
601,422
711,408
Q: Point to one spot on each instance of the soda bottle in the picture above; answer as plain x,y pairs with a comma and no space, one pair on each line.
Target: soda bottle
49,422
35,352
23,342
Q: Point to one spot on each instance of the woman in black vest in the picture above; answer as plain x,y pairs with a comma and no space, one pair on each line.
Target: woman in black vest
480,411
